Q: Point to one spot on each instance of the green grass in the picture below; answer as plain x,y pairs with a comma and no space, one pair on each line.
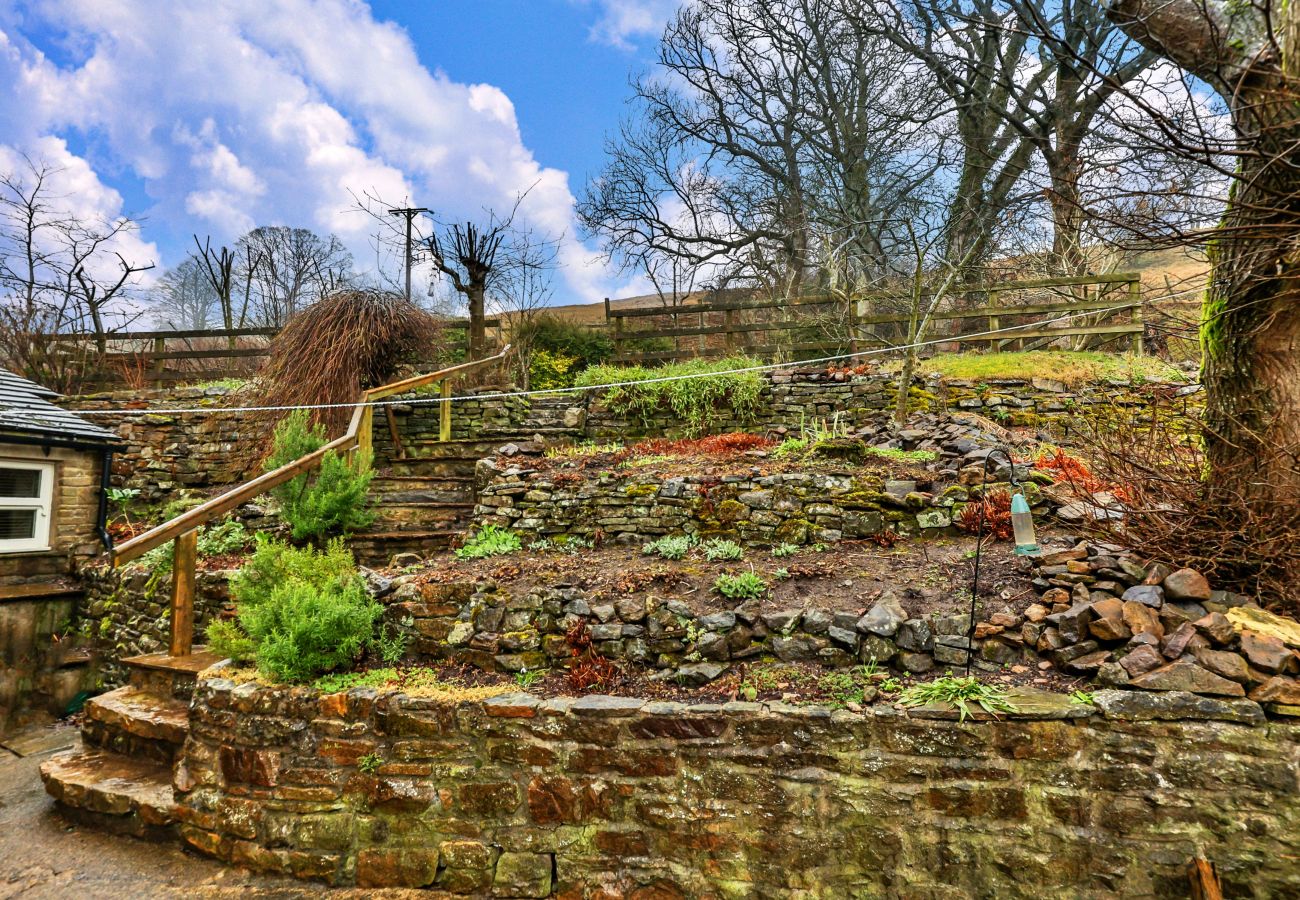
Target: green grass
695,400
1070,367
961,693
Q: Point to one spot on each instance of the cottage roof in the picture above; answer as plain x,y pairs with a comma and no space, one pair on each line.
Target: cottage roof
26,410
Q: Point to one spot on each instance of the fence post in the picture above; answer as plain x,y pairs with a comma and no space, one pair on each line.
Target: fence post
444,413
1137,315
185,551
159,364
731,329
995,322
618,331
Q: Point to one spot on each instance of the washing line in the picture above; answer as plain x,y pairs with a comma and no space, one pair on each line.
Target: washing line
501,395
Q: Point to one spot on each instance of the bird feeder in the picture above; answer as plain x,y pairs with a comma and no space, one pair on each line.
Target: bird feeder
1022,526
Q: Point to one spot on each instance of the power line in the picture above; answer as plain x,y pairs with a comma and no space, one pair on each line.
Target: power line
497,395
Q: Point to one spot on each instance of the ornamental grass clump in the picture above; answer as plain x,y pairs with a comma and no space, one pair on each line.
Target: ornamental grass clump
300,613
961,693
699,389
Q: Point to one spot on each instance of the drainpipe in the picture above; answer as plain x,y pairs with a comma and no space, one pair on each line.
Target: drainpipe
101,522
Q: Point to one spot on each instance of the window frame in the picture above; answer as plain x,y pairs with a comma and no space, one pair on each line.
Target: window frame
43,504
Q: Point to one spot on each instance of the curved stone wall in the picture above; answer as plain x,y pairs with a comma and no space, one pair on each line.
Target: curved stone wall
614,797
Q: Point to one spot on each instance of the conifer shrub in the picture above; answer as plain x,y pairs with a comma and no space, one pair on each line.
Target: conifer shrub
332,498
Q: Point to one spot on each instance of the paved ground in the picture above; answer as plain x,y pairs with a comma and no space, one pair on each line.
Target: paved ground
44,856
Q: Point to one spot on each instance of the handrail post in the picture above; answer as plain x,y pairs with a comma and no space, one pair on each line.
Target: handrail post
444,413
185,551
365,438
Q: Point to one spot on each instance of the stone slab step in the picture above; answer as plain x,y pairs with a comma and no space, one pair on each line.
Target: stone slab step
113,791
39,591
169,676
137,715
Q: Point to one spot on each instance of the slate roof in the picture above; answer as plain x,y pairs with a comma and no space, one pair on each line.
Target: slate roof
25,408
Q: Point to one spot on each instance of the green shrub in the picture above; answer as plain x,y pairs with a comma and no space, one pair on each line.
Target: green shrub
745,586
274,563
303,631
717,549
226,638
489,541
552,334
227,536
695,400
328,499
547,370
674,546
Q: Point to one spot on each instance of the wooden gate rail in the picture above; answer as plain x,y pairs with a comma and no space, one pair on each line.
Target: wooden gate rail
857,324
183,530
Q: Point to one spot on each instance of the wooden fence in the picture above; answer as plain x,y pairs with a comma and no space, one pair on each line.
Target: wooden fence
824,326
140,358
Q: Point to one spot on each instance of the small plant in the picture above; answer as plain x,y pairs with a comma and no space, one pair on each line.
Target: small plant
370,763
918,456
122,496
890,685
674,546
844,688
995,519
696,400
745,586
331,499
1083,697
781,551
781,574
717,549
489,540
222,539
818,547
960,692
583,448
526,679
391,645
869,668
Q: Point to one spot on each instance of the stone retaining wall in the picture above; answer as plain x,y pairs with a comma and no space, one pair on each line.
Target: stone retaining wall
616,797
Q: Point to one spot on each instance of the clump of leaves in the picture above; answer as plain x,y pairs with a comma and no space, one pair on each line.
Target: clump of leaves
670,546
1084,697
961,693
526,678
489,540
717,548
370,763
917,456
745,586
780,551
996,513
590,670
330,499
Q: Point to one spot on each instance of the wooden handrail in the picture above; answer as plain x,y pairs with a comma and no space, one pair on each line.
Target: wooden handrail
182,528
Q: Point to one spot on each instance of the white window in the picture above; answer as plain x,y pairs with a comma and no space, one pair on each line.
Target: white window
26,490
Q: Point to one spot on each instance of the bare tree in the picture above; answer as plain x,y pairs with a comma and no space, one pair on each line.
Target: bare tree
524,290
286,269
219,268
56,276
183,297
470,256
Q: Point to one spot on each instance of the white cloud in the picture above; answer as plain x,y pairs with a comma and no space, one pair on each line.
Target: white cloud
622,21
240,112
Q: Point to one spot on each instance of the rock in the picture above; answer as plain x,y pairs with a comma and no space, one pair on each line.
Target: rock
719,621
1004,620
1054,596
404,560
379,586
1186,584
700,673
884,617
1175,644
782,621
1111,674
1139,706
1185,675
1141,618
1035,612
955,623
522,875
950,656
1132,571
846,637
1217,628
914,635
1073,623
1141,660
1067,655
1110,629
602,706
1278,689
460,634
987,630
1108,608
1156,573
816,621
1222,662
1151,595
1262,622
632,609
1175,612
916,663
1088,663
1265,652
799,648
999,653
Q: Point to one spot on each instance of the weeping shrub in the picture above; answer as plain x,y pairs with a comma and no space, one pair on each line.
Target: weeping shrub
331,497
350,340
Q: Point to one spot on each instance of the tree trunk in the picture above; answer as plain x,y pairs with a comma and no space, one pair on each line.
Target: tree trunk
474,297
1067,216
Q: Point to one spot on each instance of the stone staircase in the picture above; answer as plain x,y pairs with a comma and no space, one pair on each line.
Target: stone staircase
120,777
424,496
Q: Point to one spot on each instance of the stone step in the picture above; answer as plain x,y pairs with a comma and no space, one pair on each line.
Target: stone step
137,723
113,792
165,675
379,548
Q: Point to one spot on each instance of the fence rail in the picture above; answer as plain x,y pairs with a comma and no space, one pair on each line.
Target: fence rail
721,328
153,356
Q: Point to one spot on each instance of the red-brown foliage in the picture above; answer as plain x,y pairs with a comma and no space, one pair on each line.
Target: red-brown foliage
996,506
590,670
712,445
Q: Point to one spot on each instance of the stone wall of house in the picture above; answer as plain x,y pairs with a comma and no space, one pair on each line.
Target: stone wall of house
74,535
519,796
795,508
127,612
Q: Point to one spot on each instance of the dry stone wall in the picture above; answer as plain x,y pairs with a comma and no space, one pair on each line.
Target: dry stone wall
519,796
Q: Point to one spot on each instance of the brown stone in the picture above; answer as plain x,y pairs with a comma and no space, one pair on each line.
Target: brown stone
414,867
1036,612
1217,628
1005,620
1278,689
1089,662
1175,644
1264,652
1141,660
986,630
1141,618
1108,608
242,765
1224,662
551,800
1110,629
1185,675
1186,584
465,854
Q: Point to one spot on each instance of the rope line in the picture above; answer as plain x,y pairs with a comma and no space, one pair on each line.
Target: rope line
499,395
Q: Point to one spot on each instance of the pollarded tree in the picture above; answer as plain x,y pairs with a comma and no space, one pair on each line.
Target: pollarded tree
1250,54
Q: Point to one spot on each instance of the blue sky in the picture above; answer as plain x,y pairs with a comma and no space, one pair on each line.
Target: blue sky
217,115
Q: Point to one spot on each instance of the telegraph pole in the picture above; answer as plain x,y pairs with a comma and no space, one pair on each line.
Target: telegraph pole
409,213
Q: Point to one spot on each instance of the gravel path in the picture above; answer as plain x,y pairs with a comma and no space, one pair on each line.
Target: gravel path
44,856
